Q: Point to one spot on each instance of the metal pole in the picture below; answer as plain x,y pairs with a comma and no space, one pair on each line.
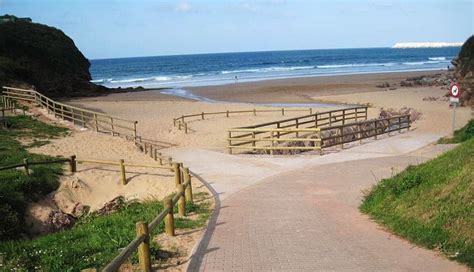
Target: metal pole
454,116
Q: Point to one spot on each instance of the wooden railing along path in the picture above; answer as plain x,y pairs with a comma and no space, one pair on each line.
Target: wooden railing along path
300,130
95,120
83,117
182,123
143,229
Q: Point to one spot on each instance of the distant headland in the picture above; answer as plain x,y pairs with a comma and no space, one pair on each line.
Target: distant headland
426,44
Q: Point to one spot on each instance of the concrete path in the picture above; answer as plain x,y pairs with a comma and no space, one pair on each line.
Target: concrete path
304,216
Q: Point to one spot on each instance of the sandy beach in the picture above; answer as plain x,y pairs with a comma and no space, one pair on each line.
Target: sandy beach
155,112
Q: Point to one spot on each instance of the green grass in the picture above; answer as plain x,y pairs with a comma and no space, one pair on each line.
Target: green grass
460,135
431,204
17,189
94,240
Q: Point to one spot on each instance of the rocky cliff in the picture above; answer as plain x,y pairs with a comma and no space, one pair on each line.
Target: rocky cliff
464,64
45,58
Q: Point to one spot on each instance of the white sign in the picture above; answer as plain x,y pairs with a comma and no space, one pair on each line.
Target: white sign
454,99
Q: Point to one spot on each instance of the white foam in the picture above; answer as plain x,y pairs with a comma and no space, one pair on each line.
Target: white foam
437,58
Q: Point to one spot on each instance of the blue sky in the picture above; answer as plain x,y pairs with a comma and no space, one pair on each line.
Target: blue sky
113,28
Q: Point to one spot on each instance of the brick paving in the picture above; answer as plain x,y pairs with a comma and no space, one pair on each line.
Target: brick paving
307,220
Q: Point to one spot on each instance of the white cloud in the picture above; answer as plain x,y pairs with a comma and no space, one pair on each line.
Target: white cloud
183,6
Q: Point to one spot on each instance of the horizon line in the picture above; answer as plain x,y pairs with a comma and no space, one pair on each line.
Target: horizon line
255,51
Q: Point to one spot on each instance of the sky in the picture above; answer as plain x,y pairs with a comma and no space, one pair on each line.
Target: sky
131,28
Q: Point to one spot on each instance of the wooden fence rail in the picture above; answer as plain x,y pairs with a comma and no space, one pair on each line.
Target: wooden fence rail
78,116
143,229
183,124
357,131
278,131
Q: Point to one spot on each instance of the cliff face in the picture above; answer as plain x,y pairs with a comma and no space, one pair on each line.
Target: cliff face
465,71
44,57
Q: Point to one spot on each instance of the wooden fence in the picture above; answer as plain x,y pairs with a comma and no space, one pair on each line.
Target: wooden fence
121,164
248,137
142,240
78,116
143,229
357,131
183,124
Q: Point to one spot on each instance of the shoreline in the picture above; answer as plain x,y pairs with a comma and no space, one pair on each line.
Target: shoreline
287,91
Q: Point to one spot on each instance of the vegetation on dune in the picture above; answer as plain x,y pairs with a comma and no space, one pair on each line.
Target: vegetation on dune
460,135
94,240
16,188
431,204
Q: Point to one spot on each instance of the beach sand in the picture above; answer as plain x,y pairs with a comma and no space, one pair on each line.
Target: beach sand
155,112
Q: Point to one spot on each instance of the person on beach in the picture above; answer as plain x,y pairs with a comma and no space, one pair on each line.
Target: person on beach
236,79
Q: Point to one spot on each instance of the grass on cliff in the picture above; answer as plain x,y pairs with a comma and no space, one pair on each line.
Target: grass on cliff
16,188
431,204
94,240
460,135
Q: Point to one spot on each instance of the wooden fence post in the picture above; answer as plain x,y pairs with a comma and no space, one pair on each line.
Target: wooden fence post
177,174
72,164
330,119
169,219
135,130
254,112
160,159
227,113
83,119
122,172
297,126
342,137
310,111
343,117
272,142
229,141
189,189
202,116
185,128
282,111
253,140
144,248
96,123
27,168
112,126
375,134
181,201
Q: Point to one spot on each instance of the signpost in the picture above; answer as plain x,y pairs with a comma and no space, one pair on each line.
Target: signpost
455,93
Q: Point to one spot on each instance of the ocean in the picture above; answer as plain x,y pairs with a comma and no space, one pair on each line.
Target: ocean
213,69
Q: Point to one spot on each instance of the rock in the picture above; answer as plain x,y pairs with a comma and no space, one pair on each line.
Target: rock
80,210
383,85
44,57
58,220
112,205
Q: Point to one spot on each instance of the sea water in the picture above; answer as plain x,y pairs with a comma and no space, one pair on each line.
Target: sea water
224,68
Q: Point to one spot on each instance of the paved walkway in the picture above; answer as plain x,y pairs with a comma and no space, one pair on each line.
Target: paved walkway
306,218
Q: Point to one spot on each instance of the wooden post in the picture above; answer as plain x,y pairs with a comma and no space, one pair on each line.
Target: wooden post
177,174
72,117
27,168
272,143
188,193
399,124
409,122
254,112
278,132
253,141
356,112
181,201
122,172
155,154
169,219
375,134
297,126
160,159
96,123
186,128
83,119
72,164
316,121
135,130
342,137
330,118
282,111
229,141
227,113
112,126
144,248
310,111
343,117
62,112
202,116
